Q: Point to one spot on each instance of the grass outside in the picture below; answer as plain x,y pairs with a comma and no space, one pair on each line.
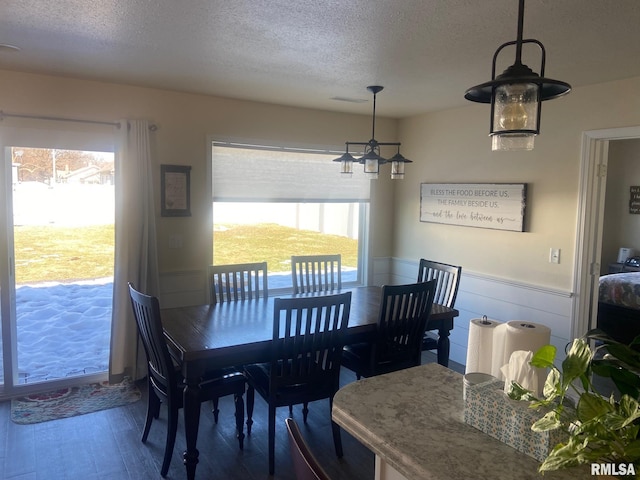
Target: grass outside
275,244
50,253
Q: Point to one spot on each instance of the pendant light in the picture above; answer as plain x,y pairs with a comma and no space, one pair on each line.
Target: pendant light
371,160
516,96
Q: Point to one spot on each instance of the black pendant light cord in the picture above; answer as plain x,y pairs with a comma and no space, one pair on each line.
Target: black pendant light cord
520,28
373,128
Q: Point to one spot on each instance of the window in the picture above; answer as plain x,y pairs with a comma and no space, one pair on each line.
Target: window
270,203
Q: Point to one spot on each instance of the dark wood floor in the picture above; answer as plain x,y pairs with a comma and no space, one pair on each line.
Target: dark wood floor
106,445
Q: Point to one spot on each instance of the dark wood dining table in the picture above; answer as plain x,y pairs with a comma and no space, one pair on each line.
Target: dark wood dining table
208,337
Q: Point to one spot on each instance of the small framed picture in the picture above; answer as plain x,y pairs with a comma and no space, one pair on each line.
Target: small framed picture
175,190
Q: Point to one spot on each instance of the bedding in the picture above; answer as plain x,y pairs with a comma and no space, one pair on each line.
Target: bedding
622,289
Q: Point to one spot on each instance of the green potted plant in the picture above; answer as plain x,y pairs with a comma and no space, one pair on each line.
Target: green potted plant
601,427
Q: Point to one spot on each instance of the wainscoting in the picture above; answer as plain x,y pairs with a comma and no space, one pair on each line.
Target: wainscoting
181,289
501,300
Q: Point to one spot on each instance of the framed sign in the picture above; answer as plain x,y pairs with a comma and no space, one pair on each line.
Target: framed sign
499,206
634,200
175,191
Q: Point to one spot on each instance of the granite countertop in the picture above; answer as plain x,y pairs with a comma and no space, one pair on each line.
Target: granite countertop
414,420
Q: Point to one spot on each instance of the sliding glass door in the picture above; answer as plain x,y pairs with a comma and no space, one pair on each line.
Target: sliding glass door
57,271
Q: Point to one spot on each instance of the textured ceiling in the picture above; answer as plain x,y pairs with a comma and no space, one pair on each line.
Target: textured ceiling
308,52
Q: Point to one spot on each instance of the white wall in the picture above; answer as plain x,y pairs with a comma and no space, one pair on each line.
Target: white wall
453,146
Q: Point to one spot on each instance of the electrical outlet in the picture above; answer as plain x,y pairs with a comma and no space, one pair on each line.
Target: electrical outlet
554,255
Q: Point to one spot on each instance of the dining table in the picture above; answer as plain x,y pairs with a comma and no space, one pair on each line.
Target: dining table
204,338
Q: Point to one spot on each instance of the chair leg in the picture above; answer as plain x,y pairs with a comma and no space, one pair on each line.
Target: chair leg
172,428
251,393
215,409
291,410
237,398
305,411
153,409
272,439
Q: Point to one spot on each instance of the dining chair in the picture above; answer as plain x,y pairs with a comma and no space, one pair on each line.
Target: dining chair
306,349
404,311
316,273
447,278
164,379
305,464
241,281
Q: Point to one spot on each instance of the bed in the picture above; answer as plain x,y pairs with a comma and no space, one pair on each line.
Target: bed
619,305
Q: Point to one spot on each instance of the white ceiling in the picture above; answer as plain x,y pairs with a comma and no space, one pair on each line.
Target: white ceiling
425,53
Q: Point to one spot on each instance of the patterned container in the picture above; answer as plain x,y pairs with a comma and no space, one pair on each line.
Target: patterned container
488,409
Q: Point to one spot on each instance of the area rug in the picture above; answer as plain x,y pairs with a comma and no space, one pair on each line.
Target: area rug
72,401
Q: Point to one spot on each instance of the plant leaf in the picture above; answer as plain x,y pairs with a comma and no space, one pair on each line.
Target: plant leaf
577,361
552,385
626,381
629,408
632,451
592,406
544,357
518,392
550,421
562,456
625,354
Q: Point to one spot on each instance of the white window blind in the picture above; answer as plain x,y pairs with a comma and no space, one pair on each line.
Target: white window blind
247,173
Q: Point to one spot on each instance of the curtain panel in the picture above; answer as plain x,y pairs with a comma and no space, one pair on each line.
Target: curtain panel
136,258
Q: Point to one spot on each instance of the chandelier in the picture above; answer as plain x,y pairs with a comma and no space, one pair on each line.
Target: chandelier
371,158
516,96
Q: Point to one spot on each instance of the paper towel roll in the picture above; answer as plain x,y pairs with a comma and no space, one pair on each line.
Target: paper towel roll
518,335
497,358
480,345
523,335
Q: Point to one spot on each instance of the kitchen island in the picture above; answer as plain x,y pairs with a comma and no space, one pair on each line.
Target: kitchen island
413,420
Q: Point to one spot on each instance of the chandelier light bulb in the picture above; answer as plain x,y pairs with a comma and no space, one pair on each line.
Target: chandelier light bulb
514,115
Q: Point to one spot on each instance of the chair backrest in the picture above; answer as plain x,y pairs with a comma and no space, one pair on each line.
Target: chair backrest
447,278
308,337
305,465
146,310
316,273
404,312
241,281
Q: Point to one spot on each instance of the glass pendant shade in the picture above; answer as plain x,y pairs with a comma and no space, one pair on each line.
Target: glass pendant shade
346,167
371,161
397,170
346,164
515,116
397,166
371,167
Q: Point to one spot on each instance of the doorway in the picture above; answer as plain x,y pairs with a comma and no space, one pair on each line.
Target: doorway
592,191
